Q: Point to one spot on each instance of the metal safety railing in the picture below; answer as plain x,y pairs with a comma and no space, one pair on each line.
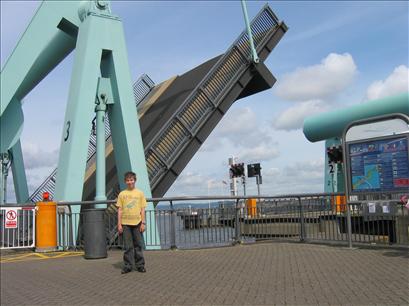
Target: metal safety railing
182,222
197,222
319,218
141,88
379,222
17,227
182,228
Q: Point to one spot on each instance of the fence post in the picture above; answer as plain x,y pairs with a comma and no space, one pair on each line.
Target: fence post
237,222
172,227
64,236
349,225
71,244
302,223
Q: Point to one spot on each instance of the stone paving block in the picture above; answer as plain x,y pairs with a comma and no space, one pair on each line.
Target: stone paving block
258,274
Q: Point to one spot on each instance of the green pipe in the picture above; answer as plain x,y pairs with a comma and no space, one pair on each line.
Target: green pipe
100,192
332,124
250,35
3,178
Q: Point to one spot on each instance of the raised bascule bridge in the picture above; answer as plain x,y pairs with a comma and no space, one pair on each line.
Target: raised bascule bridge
171,120
177,115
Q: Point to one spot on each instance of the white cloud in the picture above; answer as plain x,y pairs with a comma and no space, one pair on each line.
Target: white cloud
293,117
211,144
271,171
313,88
300,177
216,184
322,81
234,127
312,169
397,82
195,183
238,127
36,157
251,140
242,128
35,177
190,179
260,153
238,121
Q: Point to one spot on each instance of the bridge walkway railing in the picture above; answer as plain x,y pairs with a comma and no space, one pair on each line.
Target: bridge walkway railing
200,222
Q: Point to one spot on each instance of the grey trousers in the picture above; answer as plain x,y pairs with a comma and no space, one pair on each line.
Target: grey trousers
133,240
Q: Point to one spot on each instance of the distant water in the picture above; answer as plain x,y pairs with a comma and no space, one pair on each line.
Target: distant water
214,235
194,205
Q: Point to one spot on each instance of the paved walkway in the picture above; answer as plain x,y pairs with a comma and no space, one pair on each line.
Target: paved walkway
260,274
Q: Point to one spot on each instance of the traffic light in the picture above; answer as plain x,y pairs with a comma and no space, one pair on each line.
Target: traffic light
335,154
240,169
253,170
257,169
237,170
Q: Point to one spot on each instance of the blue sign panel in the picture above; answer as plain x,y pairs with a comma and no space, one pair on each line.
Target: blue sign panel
379,165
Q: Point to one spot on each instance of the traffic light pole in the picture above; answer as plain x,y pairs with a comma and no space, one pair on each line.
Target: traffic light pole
233,182
243,179
233,187
258,184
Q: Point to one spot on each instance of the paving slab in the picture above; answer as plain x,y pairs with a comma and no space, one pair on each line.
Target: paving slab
273,273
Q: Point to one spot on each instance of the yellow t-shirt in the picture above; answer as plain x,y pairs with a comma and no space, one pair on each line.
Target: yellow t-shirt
131,202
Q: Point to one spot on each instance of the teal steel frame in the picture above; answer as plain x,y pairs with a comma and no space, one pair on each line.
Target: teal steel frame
334,172
97,36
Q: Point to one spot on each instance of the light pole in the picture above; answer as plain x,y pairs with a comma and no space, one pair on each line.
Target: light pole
208,194
221,189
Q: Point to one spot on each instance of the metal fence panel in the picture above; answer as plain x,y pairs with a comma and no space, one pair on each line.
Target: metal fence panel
296,218
306,218
203,228
22,235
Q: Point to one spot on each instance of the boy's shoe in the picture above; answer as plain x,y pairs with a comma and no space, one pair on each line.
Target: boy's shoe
124,271
141,269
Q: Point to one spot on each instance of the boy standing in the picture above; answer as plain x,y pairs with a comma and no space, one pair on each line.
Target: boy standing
131,205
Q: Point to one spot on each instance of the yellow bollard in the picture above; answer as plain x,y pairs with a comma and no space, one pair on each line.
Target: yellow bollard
340,204
251,207
46,227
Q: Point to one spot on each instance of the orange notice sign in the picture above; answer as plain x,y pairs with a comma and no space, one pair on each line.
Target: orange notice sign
11,218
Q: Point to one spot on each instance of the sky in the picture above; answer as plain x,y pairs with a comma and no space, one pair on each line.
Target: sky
334,55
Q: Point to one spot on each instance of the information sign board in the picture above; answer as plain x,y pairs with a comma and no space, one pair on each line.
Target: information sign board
380,165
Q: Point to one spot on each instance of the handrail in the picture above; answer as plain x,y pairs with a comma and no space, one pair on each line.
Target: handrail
192,198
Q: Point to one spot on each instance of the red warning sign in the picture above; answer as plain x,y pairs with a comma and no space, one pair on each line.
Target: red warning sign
11,218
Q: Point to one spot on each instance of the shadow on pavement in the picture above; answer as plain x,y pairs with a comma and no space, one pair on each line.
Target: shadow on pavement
395,253
117,265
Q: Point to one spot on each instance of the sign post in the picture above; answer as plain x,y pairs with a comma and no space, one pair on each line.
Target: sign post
376,159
